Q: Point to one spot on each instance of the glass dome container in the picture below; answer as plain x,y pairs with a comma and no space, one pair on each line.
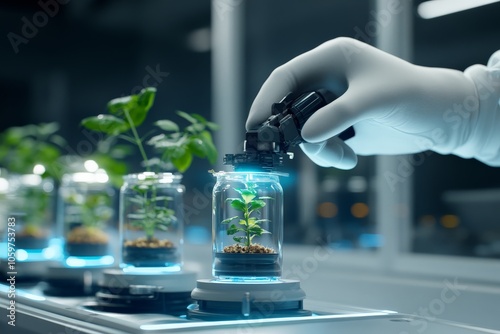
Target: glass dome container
247,226
151,222
30,210
86,218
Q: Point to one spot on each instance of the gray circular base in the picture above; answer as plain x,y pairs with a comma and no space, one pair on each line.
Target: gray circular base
223,300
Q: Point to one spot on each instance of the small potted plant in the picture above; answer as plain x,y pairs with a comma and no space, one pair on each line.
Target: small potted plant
86,206
29,154
151,205
32,208
88,212
248,224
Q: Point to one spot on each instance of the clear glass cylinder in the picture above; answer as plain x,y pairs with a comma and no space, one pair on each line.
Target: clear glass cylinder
5,195
30,214
151,222
87,219
247,226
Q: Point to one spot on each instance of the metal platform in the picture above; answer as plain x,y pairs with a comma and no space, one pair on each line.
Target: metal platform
36,313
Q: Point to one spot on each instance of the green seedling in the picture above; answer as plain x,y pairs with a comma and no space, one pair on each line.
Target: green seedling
248,226
95,212
175,148
153,213
95,209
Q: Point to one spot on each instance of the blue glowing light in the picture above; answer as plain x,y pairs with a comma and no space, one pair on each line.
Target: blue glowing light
89,261
152,270
244,279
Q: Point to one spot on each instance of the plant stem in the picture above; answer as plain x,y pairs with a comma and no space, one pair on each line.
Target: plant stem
138,140
248,227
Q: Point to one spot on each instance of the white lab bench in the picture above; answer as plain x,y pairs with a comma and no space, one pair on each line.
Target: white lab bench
343,299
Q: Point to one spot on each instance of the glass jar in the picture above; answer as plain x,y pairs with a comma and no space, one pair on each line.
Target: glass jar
86,216
151,222
247,226
30,212
4,213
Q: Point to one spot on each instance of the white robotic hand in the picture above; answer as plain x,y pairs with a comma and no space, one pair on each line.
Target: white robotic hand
395,107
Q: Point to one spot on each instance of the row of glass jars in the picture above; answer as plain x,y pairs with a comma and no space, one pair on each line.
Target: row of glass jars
247,222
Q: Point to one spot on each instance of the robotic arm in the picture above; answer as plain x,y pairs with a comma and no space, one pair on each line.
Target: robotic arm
266,145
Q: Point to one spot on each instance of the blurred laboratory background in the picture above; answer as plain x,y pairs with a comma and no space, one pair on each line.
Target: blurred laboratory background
68,65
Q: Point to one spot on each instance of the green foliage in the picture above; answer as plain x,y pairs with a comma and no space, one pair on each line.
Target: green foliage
23,147
250,227
95,208
34,202
152,213
180,146
175,146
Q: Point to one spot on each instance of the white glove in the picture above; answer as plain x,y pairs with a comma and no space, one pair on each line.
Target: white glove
395,107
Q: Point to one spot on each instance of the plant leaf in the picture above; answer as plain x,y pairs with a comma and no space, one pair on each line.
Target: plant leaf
244,222
210,149
195,128
136,106
256,204
257,230
146,98
197,147
187,117
238,204
137,200
183,160
136,216
199,118
228,220
155,139
117,105
212,126
108,124
47,129
167,125
247,194
232,230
